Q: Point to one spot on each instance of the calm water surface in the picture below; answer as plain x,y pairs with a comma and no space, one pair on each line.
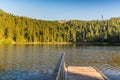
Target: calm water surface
37,62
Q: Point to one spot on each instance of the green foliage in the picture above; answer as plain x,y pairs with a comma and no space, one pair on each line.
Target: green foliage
26,30
6,41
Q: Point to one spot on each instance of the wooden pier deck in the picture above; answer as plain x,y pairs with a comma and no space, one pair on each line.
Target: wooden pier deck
84,73
62,72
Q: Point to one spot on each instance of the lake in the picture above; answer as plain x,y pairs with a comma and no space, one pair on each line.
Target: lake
37,62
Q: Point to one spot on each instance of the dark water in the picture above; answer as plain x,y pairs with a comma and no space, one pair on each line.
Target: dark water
37,62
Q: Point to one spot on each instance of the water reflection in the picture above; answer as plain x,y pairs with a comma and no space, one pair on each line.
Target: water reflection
26,61
37,62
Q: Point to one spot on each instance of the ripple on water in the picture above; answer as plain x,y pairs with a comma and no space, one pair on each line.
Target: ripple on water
18,74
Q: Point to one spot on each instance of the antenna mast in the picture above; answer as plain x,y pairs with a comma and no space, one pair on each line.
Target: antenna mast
102,17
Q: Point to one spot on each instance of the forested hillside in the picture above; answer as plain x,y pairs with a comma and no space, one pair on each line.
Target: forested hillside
15,29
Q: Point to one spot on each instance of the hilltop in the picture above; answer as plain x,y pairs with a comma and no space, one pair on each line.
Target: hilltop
19,30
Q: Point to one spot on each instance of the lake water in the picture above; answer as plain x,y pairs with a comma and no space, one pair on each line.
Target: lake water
37,62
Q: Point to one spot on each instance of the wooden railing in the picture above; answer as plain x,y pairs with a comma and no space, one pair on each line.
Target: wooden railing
59,72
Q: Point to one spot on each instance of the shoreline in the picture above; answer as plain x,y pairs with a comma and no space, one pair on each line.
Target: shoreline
10,42
69,43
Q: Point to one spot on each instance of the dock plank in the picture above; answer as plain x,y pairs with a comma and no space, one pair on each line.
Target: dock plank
83,73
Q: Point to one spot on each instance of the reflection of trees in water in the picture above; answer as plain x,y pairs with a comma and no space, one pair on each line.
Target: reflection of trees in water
114,61
93,57
28,57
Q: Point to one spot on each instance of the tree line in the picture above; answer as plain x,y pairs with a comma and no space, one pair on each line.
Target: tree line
27,30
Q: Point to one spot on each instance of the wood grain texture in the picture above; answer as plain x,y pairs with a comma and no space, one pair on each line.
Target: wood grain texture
83,73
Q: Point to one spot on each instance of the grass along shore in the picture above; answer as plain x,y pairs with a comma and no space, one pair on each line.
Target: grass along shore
11,42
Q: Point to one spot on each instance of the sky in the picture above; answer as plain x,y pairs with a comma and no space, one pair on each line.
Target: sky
63,9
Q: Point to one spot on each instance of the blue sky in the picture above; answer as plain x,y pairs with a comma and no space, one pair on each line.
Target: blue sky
63,9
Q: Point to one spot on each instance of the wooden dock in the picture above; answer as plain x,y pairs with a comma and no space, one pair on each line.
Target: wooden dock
62,72
83,73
